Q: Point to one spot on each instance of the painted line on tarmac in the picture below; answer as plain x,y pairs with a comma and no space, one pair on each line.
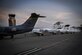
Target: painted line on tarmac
29,51
55,44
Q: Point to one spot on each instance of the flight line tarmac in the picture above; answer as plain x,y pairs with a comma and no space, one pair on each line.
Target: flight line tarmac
24,44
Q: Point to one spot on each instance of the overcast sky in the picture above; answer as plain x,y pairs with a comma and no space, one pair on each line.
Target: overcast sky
67,11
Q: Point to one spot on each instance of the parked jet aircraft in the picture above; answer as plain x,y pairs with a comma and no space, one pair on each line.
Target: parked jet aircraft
38,32
25,27
41,32
69,30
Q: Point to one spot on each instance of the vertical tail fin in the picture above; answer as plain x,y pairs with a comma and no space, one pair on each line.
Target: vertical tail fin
32,20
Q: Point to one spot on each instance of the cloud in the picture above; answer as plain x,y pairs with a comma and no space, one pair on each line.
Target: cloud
63,15
55,11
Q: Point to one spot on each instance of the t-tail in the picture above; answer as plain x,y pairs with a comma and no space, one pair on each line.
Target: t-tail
25,27
30,23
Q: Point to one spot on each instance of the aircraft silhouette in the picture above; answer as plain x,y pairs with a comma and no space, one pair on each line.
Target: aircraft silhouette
18,29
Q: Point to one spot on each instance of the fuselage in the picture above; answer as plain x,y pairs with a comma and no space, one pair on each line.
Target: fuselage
12,30
25,27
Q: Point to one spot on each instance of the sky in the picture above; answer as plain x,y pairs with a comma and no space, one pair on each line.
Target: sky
66,11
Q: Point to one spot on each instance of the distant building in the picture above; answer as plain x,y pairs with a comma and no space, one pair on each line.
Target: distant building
12,21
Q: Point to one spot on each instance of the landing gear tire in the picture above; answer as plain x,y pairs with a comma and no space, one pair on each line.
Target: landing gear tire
12,36
1,37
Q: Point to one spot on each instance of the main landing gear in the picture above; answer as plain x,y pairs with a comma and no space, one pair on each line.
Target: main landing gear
12,36
1,37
